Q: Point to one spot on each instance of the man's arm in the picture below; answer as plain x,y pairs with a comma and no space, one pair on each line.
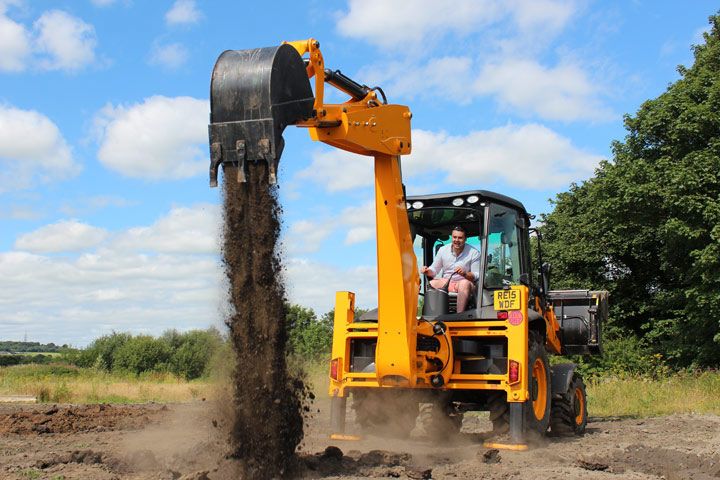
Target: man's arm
436,266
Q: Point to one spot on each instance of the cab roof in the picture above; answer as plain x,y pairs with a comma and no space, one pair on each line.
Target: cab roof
437,199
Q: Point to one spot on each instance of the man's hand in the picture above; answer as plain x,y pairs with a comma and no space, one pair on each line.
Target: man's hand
460,271
426,271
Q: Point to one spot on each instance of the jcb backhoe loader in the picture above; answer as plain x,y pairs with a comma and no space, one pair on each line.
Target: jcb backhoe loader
492,356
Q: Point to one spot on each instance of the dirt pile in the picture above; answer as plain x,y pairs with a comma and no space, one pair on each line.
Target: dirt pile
77,418
268,424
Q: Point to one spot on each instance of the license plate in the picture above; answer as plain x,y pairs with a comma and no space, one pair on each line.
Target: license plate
507,299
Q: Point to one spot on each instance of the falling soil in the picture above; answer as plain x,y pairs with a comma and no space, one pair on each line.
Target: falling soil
268,424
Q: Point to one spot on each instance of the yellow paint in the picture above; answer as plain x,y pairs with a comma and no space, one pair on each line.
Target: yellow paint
397,278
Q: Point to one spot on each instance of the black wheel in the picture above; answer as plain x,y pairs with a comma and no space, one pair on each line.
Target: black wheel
569,409
537,409
440,420
386,413
499,413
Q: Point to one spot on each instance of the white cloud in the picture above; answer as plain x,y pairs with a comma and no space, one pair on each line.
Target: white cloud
400,25
85,205
182,12
32,150
144,279
561,93
314,284
357,222
169,56
183,230
20,212
360,221
67,42
524,86
339,170
14,45
307,236
62,236
547,15
160,138
528,156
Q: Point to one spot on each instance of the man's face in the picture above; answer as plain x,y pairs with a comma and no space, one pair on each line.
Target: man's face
458,239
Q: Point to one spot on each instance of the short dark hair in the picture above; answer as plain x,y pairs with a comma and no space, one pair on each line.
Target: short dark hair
459,228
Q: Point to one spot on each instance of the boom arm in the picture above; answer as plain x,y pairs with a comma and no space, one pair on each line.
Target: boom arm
255,94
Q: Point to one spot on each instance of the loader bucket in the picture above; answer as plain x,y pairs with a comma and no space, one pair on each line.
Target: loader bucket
254,95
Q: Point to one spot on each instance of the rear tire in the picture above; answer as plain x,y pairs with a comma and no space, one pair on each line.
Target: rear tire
499,413
537,408
440,421
569,409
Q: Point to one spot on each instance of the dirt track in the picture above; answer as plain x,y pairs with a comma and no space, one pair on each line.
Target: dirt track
184,441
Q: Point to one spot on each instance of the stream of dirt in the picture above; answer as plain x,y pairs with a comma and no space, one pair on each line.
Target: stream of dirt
268,424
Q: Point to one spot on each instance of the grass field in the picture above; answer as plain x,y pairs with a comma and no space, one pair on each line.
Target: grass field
635,397
66,384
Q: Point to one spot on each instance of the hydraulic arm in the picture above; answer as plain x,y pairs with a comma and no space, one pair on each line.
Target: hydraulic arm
256,93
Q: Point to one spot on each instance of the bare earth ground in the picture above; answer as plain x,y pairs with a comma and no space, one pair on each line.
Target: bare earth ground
186,442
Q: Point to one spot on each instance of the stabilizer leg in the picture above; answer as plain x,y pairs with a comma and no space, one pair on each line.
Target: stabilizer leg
338,407
517,430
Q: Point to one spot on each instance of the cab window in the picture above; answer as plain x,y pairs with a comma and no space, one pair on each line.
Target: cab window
503,261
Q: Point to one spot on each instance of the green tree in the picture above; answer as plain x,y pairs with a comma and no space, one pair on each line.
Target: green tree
646,227
307,336
101,352
142,354
192,351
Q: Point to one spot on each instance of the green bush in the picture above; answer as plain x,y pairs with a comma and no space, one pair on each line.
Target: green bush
142,354
192,351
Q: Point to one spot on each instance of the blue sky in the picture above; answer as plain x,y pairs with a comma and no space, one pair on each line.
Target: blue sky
107,219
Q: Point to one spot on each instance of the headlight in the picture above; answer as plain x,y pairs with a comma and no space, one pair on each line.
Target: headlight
458,201
407,205
417,204
473,199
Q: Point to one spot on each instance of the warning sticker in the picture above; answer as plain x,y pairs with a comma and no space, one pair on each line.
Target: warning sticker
515,317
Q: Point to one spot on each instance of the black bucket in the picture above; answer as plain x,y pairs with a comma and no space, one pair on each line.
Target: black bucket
254,95
436,302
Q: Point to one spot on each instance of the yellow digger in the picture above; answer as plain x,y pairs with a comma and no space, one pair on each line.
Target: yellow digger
416,348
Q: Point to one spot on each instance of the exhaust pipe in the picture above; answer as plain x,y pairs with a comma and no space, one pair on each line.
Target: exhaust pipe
254,95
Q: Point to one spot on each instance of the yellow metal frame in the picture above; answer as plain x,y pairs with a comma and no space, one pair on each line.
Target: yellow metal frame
368,127
346,329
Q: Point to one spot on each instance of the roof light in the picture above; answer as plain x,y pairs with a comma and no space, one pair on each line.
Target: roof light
458,201
417,204
473,199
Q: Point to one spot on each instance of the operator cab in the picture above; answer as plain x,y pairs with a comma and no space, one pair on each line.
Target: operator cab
496,225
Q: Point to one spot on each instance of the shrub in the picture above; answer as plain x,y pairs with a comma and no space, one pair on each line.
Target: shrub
192,352
141,354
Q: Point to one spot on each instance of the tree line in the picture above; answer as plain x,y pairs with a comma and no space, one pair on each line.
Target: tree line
646,226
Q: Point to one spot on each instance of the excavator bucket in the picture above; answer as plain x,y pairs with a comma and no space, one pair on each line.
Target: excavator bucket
254,95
